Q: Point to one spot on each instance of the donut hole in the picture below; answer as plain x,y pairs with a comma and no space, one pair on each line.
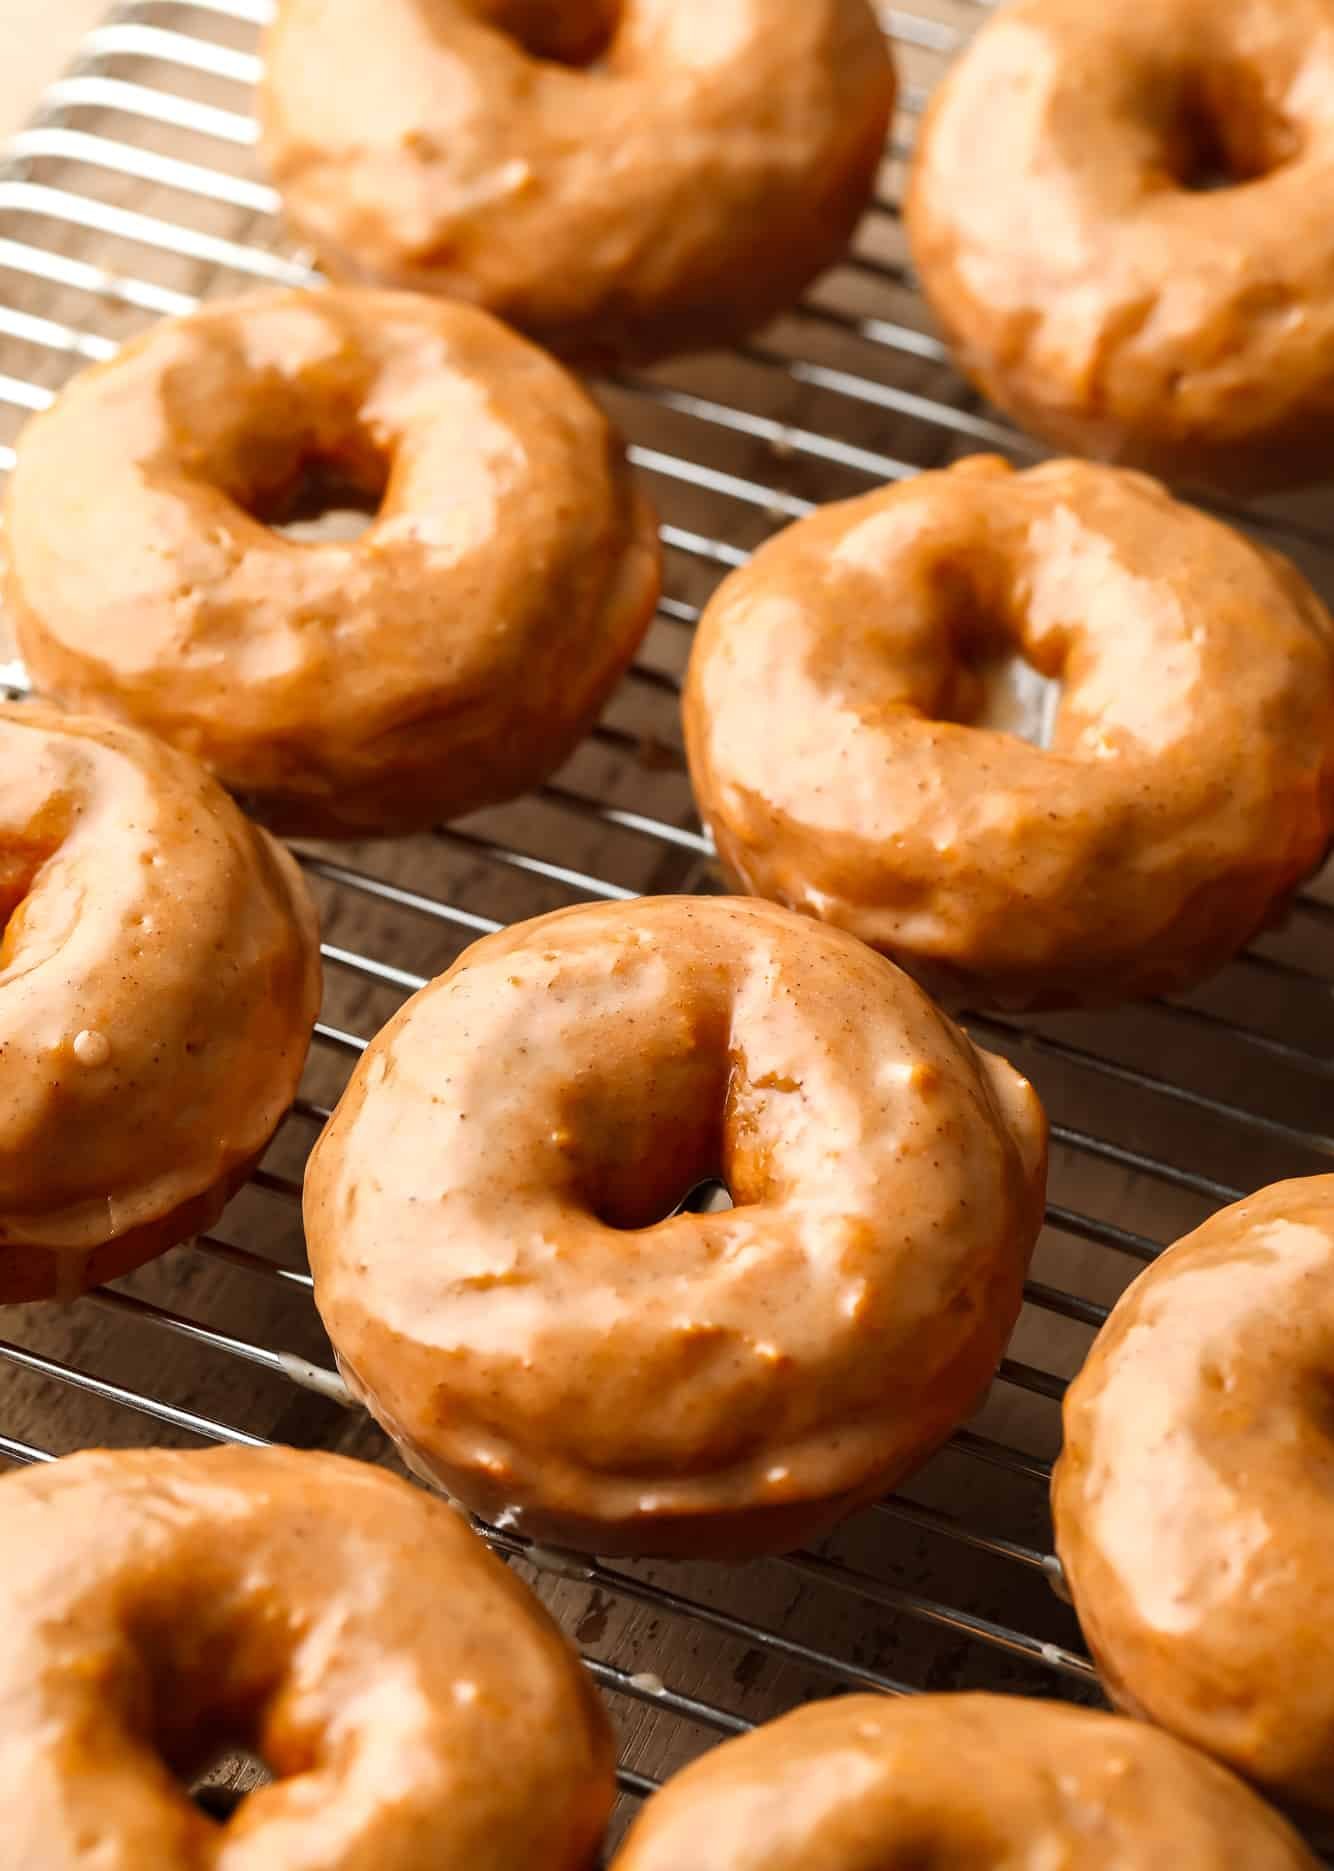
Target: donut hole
981,671
683,1178
653,1142
220,1804
560,32
208,1739
1225,132
324,498
710,1197
197,1692
229,1782
997,688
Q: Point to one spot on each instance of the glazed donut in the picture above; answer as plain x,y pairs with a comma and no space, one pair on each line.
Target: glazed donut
411,1698
159,980
484,1217
851,754
866,1784
447,659
711,157
1067,227
1192,1504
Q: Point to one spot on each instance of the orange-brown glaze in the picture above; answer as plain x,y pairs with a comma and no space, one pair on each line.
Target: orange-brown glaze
159,979
484,1216
1122,218
448,658
838,721
415,1704
677,181
1193,1503
957,1783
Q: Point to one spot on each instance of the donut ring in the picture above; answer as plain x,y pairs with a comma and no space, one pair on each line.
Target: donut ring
159,980
447,659
412,1699
674,195
866,1784
1087,284
1191,1503
483,1218
843,753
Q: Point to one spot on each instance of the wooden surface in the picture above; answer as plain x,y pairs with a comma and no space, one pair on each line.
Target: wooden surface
855,1615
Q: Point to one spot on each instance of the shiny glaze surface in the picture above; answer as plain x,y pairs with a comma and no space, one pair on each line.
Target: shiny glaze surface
1067,226
679,182
414,1702
448,658
159,979
957,1783
484,1218
1194,1503
1187,786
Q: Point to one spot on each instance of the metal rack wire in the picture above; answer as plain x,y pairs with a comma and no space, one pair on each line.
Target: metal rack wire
134,193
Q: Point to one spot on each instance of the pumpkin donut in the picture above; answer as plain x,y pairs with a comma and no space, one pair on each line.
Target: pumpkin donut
1192,1503
448,658
159,979
1122,217
852,756
410,1696
994,1783
485,1213
621,179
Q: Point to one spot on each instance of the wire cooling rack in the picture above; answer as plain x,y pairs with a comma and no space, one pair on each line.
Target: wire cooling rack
133,194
